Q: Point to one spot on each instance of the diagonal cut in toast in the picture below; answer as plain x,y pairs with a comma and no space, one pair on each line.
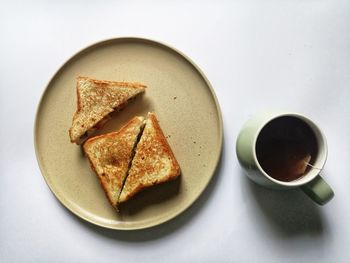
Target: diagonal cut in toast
153,163
110,156
96,99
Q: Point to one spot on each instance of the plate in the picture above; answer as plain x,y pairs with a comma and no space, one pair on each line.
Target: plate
188,112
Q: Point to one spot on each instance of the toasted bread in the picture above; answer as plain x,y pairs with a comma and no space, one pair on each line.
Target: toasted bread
110,156
96,99
153,163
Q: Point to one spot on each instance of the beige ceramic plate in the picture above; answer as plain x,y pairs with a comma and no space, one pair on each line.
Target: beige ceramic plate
186,107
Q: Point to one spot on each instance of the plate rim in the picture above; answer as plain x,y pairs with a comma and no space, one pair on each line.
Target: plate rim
81,51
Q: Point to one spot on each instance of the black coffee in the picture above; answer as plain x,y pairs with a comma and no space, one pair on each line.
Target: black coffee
285,147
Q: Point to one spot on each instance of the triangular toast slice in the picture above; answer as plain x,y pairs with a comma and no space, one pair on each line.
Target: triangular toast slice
110,156
153,163
96,99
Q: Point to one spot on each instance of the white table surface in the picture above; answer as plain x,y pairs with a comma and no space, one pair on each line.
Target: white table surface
258,55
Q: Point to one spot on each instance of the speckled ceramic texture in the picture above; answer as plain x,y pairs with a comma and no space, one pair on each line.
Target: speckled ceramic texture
188,112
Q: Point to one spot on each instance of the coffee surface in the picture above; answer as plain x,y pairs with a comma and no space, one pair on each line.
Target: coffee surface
285,147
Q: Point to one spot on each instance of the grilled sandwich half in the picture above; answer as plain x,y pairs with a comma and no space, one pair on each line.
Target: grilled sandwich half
110,156
96,99
153,163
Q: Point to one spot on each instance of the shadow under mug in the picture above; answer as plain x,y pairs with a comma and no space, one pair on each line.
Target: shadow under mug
311,183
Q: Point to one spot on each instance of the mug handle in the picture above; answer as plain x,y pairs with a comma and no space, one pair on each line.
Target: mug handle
318,190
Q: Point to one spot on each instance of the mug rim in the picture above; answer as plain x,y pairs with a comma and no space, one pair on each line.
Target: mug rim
310,175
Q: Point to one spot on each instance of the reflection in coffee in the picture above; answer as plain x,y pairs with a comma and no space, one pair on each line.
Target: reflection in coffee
286,148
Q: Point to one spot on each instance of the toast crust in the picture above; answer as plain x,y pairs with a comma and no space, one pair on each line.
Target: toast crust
154,162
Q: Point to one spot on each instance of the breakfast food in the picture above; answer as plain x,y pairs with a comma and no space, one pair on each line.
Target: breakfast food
136,157
110,156
153,163
96,99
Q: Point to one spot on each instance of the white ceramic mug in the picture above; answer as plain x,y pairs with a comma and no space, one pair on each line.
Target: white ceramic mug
311,182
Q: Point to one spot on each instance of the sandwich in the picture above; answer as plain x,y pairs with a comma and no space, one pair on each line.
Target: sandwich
154,162
110,156
135,157
96,100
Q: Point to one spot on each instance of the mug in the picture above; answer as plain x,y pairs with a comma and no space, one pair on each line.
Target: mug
310,182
